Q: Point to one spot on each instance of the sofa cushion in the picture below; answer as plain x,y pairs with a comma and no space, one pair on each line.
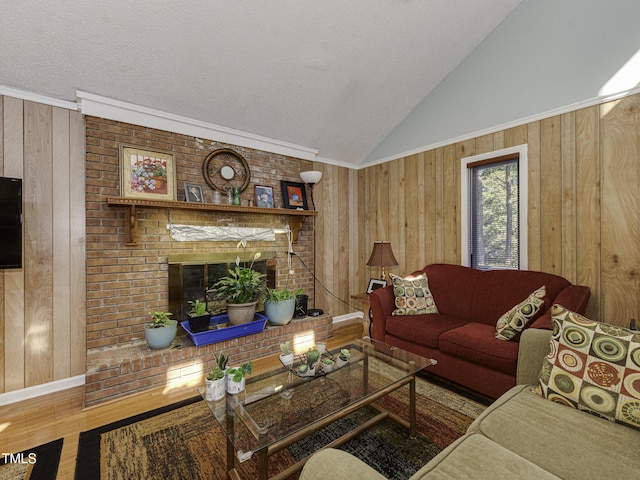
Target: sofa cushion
557,438
593,366
476,343
452,287
412,295
422,329
514,321
474,456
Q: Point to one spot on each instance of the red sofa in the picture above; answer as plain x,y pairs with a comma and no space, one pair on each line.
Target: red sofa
461,336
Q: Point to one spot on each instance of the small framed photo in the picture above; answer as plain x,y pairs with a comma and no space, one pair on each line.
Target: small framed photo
264,196
294,195
376,283
148,174
193,193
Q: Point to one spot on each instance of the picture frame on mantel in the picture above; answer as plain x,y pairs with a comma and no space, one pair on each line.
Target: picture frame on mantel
147,174
294,195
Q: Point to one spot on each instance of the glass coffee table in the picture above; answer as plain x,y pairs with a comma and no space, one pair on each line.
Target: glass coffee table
279,408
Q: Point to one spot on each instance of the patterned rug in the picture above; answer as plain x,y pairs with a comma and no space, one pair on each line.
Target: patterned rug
39,463
182,441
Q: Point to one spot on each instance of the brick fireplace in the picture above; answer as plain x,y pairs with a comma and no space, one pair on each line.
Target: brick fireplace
124,283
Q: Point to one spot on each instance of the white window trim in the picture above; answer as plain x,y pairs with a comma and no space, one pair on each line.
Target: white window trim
523,182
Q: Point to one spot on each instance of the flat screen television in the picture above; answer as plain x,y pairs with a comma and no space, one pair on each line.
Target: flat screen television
10,222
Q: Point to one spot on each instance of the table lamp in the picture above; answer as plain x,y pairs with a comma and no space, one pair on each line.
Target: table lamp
382,256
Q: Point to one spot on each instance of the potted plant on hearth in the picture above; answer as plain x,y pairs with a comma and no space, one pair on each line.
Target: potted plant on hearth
235,377
240,289
161,331
199,318
280,305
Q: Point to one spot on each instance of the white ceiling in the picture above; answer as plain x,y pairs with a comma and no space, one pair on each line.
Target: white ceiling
335,75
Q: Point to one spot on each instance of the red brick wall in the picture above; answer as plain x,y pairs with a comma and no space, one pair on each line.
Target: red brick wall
124,283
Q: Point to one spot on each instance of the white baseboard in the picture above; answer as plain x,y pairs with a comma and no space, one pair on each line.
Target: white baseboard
347,316
39,390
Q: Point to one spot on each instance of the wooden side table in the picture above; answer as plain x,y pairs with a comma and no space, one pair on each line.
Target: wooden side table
367,324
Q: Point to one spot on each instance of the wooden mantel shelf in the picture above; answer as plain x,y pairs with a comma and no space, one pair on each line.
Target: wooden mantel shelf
296,217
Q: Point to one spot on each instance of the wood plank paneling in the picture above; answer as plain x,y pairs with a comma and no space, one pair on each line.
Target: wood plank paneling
551,196
14,340
534,216
620,226
44,303
568,160
588,205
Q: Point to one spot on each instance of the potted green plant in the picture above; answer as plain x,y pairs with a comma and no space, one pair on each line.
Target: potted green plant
343,358
215,384
327,365
199,318
280,305
286,355
236,377
161,331
240,289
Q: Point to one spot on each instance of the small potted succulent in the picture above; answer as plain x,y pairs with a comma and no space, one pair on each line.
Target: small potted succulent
312,357
235,377
327,365
161,331
215,384
305,371
286,355
199,318
343,358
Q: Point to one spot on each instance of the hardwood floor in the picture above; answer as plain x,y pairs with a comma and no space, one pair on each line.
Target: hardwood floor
40,420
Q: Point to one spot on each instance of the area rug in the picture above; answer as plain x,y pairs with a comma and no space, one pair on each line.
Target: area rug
182,441
39,463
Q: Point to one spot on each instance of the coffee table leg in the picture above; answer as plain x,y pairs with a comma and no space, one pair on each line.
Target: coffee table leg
263,464
412,407
231,451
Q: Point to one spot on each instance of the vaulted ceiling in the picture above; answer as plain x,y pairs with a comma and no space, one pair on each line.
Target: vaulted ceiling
332,75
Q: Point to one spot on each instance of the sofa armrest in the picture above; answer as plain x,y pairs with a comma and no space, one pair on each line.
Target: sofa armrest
335,464
382,301
534,346
574,298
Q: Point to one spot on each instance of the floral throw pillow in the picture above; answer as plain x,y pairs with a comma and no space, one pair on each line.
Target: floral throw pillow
413,296
513,322
593,366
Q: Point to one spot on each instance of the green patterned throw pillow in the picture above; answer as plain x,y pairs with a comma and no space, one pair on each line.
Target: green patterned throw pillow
594,367
513,322
413,296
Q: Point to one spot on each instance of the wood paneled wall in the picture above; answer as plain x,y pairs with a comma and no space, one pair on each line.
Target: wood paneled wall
584,175
42,305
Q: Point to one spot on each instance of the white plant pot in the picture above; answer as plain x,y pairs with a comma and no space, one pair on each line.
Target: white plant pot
234,387
287,360
341,363
321,347
215,389
327,367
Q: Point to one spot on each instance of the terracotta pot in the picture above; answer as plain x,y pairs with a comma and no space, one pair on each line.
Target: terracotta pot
240,313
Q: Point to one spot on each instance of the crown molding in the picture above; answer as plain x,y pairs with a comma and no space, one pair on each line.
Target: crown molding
36,97
104,107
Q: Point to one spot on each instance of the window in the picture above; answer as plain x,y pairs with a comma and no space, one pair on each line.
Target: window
494,209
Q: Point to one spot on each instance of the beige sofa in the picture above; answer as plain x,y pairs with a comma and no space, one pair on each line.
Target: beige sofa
521,435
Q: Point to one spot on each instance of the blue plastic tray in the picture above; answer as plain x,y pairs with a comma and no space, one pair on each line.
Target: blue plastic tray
226,333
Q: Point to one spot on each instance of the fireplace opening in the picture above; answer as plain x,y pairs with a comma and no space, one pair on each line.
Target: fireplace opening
191,275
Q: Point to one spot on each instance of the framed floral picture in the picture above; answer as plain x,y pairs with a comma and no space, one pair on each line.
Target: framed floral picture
147,174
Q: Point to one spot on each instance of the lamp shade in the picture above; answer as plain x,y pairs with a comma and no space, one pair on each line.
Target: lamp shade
382,255
311,176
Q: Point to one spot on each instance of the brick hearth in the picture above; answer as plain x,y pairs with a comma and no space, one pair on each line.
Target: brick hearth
117,371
